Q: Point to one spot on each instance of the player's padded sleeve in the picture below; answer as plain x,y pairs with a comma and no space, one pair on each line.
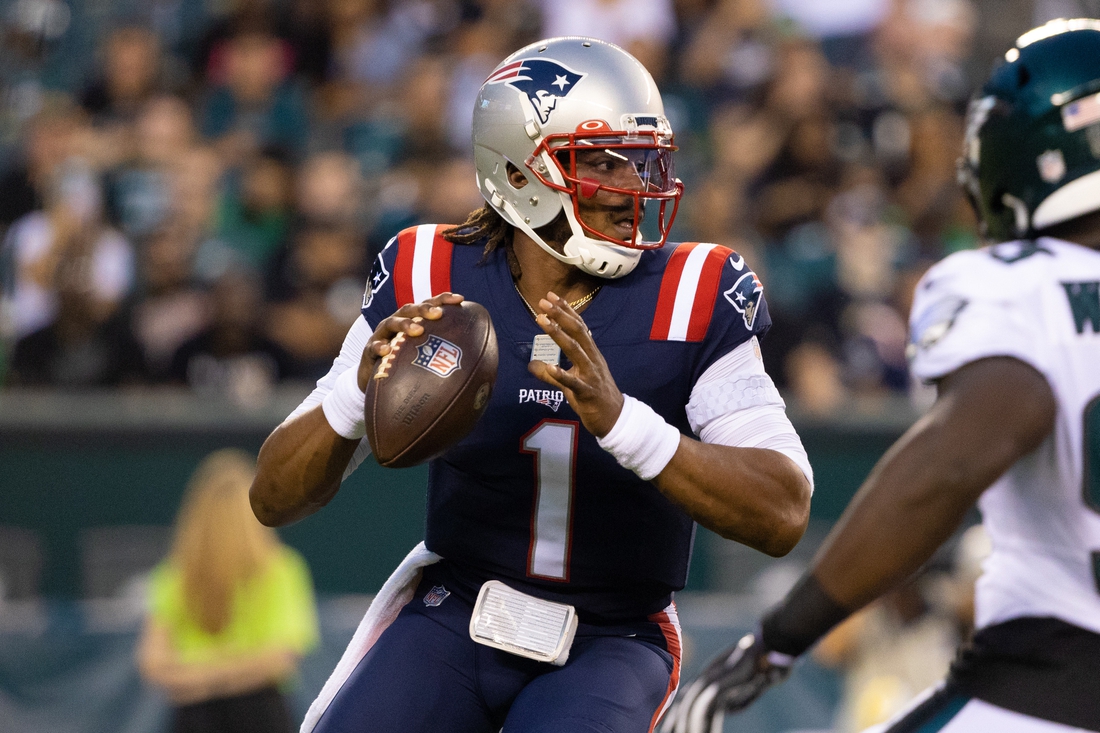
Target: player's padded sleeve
348,359
379,302
972,306
735,403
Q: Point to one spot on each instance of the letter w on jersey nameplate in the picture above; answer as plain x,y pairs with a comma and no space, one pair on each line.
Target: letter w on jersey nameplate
506,619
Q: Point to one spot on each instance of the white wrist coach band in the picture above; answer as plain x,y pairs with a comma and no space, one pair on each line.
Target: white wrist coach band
343,406
641,440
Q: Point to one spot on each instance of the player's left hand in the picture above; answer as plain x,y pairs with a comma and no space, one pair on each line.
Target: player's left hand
588,384
731,682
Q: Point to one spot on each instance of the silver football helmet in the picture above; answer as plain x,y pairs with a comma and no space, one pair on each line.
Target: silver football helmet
559,99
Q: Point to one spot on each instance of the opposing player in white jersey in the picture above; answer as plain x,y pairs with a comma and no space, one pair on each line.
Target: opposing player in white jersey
1010,334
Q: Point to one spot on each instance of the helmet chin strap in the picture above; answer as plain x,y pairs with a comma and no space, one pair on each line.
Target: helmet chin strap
496,199
598,258
592,256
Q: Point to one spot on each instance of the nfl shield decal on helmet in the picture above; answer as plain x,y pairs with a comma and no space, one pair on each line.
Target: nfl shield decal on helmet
439,356
436,595
544,81
744,296
1052,166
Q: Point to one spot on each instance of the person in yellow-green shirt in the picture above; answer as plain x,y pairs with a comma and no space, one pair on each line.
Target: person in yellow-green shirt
231,610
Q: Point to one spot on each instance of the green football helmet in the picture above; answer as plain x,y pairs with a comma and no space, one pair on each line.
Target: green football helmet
1031,158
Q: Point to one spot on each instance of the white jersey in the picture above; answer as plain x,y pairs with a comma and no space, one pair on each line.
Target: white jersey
1038,302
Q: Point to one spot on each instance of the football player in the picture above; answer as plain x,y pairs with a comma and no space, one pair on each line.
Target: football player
630,402
1010,334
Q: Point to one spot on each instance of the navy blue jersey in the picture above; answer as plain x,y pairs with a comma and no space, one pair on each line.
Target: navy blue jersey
529,497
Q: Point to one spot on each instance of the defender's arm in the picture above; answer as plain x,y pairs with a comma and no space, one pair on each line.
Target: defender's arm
989,414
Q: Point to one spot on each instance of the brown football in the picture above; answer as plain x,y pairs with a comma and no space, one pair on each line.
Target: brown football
430,390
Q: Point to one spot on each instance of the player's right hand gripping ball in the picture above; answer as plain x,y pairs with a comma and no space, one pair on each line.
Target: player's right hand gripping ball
731,682
430,390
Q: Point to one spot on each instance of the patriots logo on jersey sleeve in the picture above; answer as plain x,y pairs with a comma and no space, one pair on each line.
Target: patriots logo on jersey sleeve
378,277
544,81
439,356
745,294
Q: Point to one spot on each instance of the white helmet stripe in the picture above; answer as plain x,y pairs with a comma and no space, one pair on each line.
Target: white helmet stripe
1079,196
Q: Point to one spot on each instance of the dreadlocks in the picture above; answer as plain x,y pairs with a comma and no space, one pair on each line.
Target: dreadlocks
485,224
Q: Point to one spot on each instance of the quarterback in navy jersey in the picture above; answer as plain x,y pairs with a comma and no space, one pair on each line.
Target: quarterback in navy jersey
572,504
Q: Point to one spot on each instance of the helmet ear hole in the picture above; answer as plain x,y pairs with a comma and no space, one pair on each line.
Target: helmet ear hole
516,178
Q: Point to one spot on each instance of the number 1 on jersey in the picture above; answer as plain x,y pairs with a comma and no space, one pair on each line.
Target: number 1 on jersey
554,445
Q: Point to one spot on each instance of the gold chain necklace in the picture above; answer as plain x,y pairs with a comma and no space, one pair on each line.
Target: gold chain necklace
574,304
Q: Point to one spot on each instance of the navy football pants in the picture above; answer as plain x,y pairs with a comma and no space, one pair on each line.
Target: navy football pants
425,674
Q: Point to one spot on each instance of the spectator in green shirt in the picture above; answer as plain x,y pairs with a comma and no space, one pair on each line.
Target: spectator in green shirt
231,610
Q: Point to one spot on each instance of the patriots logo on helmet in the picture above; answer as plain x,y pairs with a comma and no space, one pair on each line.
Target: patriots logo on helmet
378,277
744,296
544,81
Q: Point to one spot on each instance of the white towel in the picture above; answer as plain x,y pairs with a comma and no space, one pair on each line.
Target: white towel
395,593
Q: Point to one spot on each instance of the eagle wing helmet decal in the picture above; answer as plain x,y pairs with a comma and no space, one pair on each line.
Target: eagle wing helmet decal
543,81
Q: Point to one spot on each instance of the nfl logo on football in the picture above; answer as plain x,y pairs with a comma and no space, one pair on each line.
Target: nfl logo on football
438,356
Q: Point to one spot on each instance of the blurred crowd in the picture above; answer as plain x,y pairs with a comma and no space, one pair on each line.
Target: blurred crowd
192,191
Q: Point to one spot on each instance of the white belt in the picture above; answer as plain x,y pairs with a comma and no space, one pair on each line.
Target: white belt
520,624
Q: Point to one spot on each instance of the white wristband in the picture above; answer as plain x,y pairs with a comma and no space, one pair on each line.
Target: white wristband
343,406
641,440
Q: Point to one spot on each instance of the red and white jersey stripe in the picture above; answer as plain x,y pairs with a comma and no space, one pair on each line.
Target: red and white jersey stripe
669,621
423,265
688,291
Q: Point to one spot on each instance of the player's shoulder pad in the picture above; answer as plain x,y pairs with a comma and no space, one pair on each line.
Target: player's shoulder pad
416,264
1001,271
1000,275
695,273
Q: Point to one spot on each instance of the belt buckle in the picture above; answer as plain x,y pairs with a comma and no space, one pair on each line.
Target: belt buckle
521,624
